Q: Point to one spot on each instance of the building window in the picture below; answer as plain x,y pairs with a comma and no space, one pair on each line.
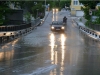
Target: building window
75,3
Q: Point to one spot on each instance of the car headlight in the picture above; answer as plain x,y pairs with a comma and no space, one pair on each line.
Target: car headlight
62,27
52,27
56,9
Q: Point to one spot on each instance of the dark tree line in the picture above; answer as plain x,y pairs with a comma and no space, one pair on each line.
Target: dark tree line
90,3
31,6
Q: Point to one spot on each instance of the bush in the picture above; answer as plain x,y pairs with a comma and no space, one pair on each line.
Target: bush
97,13
88,23
81,19
86,13
41,9
27,17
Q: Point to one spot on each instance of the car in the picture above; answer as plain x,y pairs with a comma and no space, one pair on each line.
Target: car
55,10
42,21
57,26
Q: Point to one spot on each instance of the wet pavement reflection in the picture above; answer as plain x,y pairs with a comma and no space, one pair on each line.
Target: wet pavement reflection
43,52
55,50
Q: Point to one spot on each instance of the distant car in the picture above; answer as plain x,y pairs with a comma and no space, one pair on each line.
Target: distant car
42,21
55,10
57,26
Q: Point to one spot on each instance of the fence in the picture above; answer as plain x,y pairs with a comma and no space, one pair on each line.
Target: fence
10,32
20,27
92,33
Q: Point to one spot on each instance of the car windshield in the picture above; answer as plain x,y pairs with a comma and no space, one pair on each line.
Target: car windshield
56,23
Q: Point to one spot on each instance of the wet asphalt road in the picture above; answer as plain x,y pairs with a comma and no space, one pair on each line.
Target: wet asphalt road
43,52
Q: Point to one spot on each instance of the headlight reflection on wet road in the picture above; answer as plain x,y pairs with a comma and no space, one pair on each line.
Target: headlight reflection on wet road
55,51
52,40
8,51
54,57
55,16
63,39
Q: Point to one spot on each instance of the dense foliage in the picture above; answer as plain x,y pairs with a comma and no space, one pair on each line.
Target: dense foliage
89,3
97,13
58,3
38,10
34,7
86,12
3,10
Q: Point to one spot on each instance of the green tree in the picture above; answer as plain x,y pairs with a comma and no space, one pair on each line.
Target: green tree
86,12
31,6
4,9
63,3
41,9
89,3
97,21
59,3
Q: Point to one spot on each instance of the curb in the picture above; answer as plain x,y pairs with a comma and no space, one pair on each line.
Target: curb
46,16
